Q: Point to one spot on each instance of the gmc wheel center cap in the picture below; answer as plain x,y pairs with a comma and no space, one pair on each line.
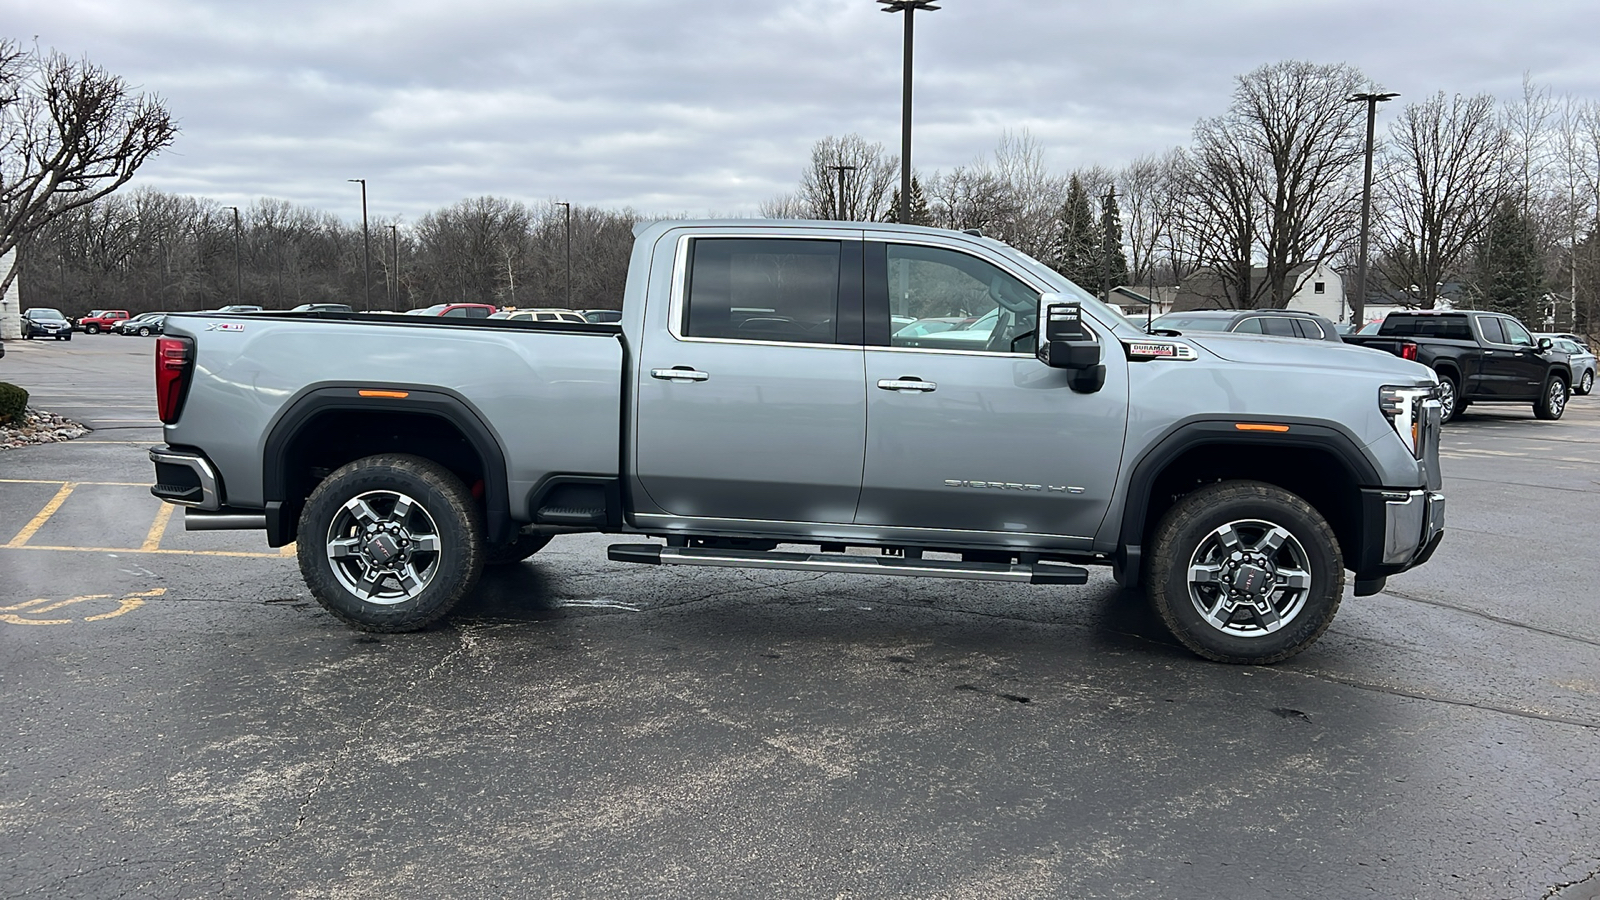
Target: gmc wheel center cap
382,549
1252,580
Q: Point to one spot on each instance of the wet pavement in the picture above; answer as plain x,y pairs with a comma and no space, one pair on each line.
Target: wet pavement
181,720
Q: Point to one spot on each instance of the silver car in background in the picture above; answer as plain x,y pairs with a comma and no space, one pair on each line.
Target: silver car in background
1579,357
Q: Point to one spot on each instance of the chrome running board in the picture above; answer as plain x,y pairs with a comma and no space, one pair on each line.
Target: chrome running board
1041,572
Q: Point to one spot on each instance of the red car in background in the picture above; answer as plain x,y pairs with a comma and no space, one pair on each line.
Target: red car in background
99,320
457,310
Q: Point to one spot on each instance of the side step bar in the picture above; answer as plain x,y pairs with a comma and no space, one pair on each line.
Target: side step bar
1036,573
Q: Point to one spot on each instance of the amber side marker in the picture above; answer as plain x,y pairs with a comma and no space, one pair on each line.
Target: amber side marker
401,395
1252,426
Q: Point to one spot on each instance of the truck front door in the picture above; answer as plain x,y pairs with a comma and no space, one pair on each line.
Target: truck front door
750,404
966,429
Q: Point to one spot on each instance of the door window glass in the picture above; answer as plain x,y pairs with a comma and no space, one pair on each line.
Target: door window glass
459,312
1281,327
1251,325
1516,334
947,300
763,289
1491,330
1310,329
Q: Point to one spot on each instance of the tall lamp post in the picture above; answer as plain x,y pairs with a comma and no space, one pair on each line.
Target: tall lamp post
238,269
838,207
366,243
1359,305
909,7
568,208
394,264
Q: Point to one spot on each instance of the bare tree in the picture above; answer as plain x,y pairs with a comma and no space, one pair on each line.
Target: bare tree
1442,172
784,206
869,176
1149,191
70,134
1273,177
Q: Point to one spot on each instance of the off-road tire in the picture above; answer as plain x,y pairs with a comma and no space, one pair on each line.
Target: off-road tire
1186,528
1552,400
518,550
1450,389
444,500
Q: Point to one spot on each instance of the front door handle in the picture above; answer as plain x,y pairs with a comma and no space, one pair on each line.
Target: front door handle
907,383
678,373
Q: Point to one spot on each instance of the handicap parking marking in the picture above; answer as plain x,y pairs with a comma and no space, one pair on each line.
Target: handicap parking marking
27,612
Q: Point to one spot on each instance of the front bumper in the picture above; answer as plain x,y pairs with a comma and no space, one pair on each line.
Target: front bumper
1402,529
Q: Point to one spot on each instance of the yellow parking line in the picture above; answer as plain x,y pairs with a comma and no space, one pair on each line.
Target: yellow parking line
152,540
25,604
143,484
44,515
273,555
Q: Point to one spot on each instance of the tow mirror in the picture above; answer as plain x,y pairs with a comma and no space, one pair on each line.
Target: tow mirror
1065,343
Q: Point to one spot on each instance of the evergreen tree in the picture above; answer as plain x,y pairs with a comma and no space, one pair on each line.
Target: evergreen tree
1077,250
919,206
1114,260
1510,277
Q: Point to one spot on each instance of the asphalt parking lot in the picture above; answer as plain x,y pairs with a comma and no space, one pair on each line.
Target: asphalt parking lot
181,720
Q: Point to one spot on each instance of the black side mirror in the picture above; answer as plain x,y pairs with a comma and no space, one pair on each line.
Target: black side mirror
1067,344
1545,344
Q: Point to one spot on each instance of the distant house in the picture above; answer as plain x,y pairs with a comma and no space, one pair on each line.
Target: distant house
1313,288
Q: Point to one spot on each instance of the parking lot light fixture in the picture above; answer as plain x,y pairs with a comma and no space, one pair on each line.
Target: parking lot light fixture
1359,304
394,263
568,208
238,269
366,243
909,7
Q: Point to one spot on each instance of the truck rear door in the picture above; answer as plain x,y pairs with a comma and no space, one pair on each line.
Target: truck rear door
750,403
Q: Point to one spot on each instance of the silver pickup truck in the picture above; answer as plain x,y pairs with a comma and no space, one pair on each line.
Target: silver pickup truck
871,399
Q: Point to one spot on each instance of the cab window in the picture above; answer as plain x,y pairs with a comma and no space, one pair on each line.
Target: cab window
943,299
763,289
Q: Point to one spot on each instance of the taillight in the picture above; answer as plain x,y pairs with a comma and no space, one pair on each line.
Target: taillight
174,358
1408,350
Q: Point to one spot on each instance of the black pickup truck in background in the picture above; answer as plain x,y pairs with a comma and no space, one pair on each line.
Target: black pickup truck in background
1480,357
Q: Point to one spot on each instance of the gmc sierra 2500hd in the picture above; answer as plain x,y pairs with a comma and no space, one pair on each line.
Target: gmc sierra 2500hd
778,395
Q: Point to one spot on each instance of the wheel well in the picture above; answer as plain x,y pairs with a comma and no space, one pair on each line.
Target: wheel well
333,437
1451,369
1317,476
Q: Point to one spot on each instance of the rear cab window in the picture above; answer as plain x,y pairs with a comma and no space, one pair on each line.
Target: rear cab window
763,289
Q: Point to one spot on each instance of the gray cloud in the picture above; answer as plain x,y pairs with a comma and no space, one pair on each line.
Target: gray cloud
711,106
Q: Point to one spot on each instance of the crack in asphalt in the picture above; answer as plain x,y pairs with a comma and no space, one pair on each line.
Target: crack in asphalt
1500,620
1557,889
1432,698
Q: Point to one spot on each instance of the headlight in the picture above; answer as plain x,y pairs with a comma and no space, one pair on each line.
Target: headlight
1406,408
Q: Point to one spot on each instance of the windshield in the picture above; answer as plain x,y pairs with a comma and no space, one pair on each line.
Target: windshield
1059,283
45,313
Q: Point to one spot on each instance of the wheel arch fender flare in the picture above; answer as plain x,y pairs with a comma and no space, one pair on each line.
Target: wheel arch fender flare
1201,431
427,401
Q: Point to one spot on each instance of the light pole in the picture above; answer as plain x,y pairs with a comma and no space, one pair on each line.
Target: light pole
1359,305
394,264
839,205
568,207
238,269
909,7
366,243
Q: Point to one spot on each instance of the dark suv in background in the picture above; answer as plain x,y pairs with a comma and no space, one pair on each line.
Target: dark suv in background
1270,322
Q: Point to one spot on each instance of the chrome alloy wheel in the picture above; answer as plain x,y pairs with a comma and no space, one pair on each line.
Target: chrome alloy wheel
1558,397
1249,578
1447,398
383,547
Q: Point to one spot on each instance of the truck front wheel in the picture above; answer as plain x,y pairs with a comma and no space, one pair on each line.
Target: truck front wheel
1245,572
1450,400
1553,401
390,543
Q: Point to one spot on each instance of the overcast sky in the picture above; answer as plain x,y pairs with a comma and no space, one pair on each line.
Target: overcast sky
711,106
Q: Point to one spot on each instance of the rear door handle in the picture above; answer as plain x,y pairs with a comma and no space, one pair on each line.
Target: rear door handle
907,383
679,373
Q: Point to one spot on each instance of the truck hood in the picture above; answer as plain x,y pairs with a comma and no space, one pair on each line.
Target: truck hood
1302,353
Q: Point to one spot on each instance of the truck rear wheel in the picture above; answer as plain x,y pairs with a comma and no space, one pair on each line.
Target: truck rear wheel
1245,572
390,543
1450,401
1552,400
